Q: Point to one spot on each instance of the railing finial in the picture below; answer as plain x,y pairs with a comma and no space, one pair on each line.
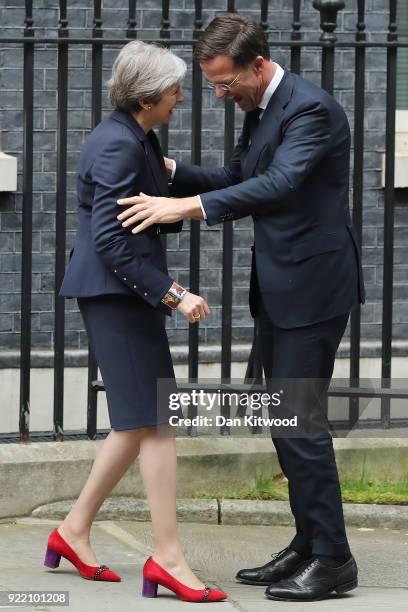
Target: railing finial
328,17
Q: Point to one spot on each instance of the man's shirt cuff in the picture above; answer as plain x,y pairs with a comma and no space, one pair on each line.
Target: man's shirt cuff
202,208
173,172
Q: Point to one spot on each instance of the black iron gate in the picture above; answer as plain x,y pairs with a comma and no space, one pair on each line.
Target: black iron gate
328,44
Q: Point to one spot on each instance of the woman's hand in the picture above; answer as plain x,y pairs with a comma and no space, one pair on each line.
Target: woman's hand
193,307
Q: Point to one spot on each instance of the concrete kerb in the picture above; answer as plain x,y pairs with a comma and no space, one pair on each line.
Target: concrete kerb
205,511
232,512
38,474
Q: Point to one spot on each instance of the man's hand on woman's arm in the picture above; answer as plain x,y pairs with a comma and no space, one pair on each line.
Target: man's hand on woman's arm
148,210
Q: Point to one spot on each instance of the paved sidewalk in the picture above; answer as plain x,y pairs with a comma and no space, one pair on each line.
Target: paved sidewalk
215,551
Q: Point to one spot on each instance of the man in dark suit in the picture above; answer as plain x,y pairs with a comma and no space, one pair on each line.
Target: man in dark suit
290,171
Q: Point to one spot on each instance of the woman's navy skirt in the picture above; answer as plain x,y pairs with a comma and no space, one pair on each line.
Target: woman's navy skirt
129,341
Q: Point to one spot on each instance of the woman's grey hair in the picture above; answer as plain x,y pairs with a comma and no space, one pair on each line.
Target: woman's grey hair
141,73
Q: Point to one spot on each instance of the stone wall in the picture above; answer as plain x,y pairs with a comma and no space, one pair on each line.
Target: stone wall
148,18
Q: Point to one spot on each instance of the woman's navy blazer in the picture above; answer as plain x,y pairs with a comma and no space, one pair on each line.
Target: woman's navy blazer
118,160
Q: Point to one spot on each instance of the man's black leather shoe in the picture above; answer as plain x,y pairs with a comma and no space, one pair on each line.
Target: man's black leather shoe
283,564
315,581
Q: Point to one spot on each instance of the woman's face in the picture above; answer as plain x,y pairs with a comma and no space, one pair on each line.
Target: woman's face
161,112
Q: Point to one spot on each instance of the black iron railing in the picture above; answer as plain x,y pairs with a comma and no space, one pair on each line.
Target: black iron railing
328,43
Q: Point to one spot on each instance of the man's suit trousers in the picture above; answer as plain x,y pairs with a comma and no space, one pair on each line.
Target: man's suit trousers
307,462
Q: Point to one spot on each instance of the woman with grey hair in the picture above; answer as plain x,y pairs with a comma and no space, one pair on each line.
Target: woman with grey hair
124,290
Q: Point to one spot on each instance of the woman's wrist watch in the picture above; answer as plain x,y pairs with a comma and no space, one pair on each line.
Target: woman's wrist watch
174,295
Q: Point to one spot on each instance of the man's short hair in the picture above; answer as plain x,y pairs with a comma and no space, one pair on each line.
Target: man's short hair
235,36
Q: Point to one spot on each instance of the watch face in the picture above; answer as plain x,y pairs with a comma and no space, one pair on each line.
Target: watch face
176,292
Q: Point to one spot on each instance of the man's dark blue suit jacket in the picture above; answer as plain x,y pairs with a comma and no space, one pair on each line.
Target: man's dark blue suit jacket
118,160
293,178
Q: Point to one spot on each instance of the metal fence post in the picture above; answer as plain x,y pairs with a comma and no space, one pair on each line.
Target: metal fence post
97,51
358,185
389,205
27,223
60,223
328,22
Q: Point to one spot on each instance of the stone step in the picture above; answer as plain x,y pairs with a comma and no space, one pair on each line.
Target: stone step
232,512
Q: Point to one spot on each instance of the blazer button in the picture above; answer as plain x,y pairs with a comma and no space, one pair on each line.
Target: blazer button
145,294
124,278
115,271
134,287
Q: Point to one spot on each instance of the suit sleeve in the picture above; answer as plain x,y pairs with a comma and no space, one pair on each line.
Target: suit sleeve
306,137
189,179
116,175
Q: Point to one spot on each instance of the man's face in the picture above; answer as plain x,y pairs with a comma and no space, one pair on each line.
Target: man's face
246,90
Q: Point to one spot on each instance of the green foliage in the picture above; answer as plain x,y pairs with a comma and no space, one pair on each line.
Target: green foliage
354,491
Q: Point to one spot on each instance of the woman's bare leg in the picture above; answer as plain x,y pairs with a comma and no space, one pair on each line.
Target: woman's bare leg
116,455
158,461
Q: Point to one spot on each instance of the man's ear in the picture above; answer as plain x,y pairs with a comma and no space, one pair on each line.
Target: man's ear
258,64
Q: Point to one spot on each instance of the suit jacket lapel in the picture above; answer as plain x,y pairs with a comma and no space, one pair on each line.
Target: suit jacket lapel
268,130
156,164
155,159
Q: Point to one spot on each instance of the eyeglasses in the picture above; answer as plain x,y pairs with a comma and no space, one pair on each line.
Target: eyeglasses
224,86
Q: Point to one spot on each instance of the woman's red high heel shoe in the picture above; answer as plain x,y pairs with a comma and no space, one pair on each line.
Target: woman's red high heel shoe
154,574
58,547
